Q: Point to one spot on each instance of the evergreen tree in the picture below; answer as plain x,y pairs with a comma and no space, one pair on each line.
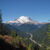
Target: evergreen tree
13,33
0,23
2,29
36,47
43,45
48,34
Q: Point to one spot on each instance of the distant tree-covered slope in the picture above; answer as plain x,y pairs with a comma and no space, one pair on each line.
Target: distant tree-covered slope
9,29
41,34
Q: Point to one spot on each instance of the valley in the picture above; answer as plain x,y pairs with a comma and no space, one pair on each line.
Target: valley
34,31
34,40
25,33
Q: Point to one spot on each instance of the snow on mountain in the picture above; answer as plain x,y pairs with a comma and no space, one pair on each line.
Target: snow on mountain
25,24
23,19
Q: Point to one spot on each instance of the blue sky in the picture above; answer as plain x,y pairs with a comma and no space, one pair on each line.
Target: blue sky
38,10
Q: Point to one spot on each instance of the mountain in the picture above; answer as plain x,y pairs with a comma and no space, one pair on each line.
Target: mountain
10,28
41,34
27,25
24,23
22,20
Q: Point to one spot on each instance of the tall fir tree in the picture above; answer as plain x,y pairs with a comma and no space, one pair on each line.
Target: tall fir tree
0,23
2,28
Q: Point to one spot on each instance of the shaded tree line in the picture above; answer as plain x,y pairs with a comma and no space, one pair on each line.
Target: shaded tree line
2,28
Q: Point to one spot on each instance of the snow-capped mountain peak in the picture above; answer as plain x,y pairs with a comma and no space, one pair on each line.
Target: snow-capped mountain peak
23,19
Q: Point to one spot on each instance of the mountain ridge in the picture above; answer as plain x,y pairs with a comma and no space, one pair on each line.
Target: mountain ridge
26,24
23,19
26,19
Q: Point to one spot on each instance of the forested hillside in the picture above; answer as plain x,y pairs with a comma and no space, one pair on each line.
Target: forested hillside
13,39
41,34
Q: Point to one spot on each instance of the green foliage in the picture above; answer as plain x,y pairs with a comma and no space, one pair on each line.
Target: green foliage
30,47
41,33
13,33
43,46
17,40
